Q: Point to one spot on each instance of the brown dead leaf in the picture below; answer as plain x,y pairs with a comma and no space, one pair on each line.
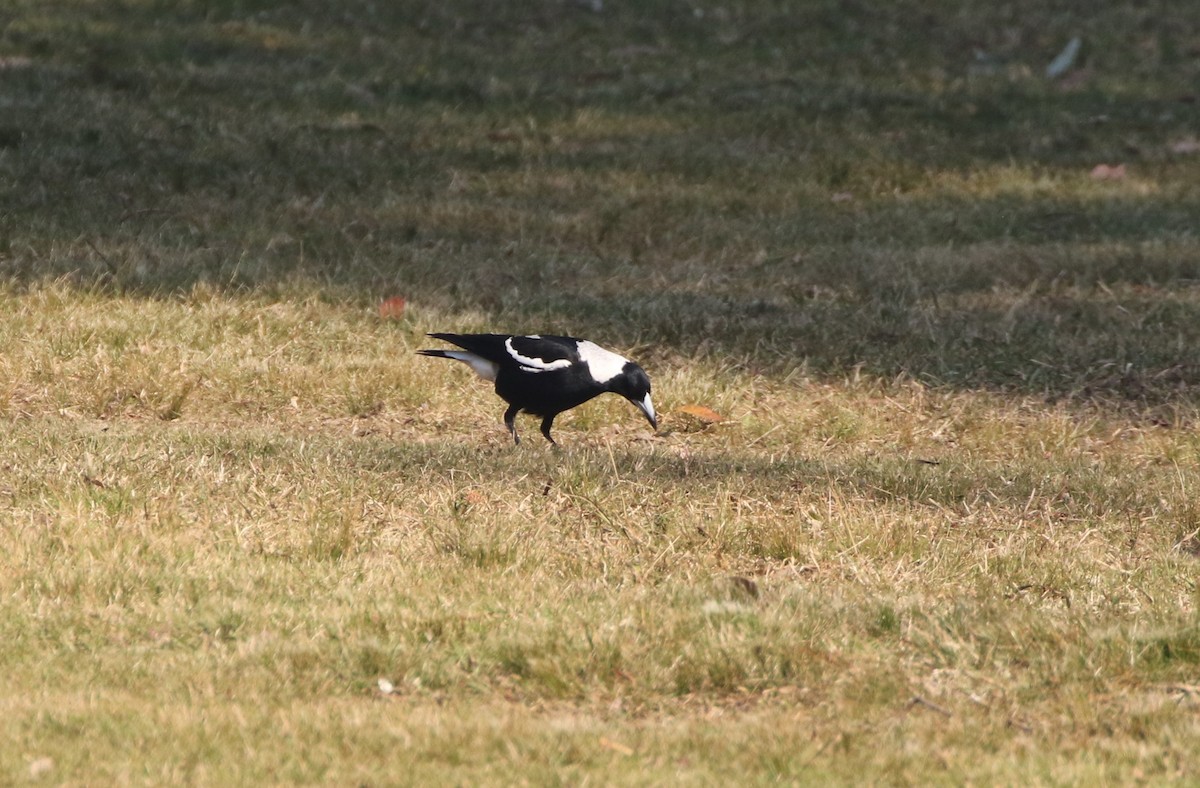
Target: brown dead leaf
392,308
615,746
705,415
1108,172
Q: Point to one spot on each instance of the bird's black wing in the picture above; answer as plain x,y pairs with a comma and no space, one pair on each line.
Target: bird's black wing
544,350
533,353
489,346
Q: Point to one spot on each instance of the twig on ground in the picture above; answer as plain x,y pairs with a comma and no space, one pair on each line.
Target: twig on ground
917,700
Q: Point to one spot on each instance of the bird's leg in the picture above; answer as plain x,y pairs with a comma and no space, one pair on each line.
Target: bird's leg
546,422
510,416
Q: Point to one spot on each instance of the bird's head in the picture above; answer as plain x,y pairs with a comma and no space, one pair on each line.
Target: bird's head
634,385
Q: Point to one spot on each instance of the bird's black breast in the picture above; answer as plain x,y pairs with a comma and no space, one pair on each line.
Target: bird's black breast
545,393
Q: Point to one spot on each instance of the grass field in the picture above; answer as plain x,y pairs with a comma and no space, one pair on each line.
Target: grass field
948,530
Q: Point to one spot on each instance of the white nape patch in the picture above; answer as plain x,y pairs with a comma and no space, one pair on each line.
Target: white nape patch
483,368
530,364
603,364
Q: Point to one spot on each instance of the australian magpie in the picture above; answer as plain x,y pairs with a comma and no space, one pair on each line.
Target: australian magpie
546,375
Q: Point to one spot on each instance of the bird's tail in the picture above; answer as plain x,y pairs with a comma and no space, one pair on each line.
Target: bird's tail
483,368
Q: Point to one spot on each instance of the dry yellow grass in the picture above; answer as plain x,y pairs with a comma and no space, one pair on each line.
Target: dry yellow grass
844,579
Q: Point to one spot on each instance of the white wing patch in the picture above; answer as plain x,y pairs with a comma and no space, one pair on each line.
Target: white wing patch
483,368
531,364
603,364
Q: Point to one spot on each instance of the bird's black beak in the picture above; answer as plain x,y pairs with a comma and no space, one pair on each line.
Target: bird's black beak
647,407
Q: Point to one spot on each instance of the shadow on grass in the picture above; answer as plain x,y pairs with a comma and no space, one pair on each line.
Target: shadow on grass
823,188
1072,488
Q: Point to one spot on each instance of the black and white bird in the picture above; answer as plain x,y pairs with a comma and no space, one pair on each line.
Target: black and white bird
545,375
